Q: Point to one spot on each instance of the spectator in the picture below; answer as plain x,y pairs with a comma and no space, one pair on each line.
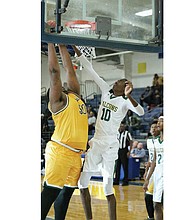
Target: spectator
157,97
134,147
133,122
144,94
155,79
153,96
91,109
91,123
138,152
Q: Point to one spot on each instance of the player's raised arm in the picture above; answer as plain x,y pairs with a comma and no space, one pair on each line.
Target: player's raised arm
56,96
135,107
88,68
72,81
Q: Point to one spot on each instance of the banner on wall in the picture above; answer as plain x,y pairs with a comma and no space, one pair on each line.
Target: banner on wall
141,67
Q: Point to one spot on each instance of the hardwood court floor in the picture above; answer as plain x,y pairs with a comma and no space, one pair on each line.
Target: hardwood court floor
130,203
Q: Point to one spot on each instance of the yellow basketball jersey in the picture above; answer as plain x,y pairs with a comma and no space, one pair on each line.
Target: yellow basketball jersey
71,123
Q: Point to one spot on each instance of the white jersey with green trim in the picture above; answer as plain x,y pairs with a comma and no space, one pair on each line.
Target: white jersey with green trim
110,114
112,108
150,147
159,146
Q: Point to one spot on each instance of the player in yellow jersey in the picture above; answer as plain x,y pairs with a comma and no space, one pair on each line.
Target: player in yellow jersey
69,140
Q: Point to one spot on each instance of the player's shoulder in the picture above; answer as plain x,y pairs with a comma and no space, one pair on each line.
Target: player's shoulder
150,142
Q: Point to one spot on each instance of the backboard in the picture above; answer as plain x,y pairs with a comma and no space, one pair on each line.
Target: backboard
133,22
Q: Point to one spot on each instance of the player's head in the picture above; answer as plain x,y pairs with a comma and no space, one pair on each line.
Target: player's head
154,129
160,123
119,87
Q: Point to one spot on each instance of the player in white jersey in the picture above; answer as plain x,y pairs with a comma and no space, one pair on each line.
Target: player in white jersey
104,146
157,168
149,193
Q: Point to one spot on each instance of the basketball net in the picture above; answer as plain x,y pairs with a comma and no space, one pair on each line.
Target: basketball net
83,27
89,52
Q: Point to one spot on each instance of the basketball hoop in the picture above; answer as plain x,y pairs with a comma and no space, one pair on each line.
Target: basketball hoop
81,27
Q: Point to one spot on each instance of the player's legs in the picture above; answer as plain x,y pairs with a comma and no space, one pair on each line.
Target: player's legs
59,170
92,159
86,202
48,196
109,158
158,210
158,196
112,206
62,202
84,193
149,199
53,182
108,189
149,205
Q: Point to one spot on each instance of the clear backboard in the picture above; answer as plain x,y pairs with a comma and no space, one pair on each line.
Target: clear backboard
106,23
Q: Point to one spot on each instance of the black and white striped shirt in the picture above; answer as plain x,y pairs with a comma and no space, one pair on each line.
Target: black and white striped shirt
124,139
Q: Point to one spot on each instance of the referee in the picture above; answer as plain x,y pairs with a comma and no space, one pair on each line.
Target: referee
125,140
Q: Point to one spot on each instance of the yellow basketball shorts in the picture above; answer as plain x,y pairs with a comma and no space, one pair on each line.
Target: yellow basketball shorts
62,166
150,188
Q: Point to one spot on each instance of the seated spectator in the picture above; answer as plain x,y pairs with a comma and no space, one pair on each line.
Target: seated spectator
153,96
91,122
155,79
157,98
161,85
91,109
138,152
133,122
134,147
144,94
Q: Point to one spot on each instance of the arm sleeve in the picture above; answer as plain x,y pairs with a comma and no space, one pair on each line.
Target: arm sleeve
92,73
139,110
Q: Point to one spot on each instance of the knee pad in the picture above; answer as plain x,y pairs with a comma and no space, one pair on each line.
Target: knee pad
108,186
84,180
